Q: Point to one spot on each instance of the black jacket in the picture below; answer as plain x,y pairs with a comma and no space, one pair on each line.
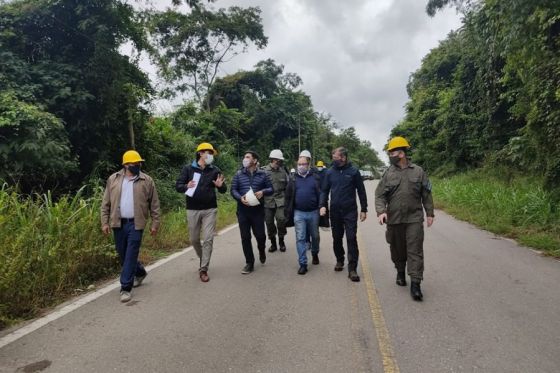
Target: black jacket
342,183
204,197
290,200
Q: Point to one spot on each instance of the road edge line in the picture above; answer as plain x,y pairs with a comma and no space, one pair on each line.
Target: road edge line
383,338
82,301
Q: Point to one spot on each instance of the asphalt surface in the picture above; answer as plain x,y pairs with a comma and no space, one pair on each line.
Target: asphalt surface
489,306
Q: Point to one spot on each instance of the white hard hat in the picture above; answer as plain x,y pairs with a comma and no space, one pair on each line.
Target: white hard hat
305,153
251,198
276,154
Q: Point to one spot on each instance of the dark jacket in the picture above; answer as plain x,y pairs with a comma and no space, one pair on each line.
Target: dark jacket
244,180
204,196
290,200
342,183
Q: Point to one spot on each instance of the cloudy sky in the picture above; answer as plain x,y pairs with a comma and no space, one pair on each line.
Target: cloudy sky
354,56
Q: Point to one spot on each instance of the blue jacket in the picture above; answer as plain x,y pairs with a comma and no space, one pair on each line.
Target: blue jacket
342,183
244,180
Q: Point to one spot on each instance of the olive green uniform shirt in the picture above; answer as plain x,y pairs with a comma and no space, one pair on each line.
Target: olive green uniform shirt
402,193
279,178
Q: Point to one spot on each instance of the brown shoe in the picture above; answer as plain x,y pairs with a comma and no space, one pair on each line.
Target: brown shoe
204,276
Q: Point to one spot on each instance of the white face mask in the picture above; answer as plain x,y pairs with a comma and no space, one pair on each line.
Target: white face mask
246,162
320,168
209,158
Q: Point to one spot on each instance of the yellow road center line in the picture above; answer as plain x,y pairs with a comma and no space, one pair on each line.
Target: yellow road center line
383,338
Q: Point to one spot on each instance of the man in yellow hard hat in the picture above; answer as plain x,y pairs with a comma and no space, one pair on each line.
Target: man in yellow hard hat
400,196
199,181
130,196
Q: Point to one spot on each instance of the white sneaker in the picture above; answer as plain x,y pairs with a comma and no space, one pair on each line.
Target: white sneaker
138,280
125,296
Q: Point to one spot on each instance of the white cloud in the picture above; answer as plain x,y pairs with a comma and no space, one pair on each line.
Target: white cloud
354,57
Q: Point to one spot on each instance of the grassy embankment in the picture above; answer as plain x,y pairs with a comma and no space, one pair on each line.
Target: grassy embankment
518,208
50,249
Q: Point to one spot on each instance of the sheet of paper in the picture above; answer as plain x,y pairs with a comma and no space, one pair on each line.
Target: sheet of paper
196,178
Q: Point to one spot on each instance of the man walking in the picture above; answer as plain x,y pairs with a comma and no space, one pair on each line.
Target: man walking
248,187
130,195
342,181
400,196
303,196
199,182
274,204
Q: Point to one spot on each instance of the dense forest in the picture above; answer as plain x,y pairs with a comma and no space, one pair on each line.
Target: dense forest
489,95
71,102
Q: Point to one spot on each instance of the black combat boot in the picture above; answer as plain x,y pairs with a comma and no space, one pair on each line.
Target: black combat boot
415,291
282,244
401,279
273,246
262,256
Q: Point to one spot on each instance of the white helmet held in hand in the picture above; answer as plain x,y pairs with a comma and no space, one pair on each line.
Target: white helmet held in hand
305,153
276,154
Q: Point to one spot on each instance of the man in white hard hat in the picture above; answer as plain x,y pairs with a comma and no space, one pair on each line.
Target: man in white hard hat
274,204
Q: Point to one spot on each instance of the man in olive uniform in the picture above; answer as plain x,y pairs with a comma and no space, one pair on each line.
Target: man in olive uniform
400,196
274,204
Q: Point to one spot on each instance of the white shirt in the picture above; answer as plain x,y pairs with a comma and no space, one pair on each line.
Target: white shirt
127,198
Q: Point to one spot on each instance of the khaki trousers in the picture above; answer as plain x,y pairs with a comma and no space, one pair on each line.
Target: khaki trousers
202,223
407,246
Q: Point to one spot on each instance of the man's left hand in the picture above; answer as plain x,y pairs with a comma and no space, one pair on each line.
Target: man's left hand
363,216
430,221
219,181
259,194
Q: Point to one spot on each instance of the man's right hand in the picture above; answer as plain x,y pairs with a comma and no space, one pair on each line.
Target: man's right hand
106,229
323,211
244,201
382,218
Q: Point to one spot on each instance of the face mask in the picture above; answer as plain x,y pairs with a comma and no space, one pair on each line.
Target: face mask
320,168
337,163
209,158
302,170
394,160
246,162
135,170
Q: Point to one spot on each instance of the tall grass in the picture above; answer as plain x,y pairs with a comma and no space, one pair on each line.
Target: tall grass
50,248
518,208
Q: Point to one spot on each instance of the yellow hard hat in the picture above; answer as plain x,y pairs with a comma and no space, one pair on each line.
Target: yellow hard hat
206,146
320,164
397,142
131,156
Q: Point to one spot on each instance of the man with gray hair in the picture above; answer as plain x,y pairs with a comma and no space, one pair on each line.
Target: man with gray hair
342,181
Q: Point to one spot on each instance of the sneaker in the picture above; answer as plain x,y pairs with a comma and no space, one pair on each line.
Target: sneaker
353,275
315,259
302,270
138,280
204,276
339,266
125,296
247,269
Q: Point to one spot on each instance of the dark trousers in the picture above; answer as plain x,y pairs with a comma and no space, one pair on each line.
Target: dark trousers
251,218
341,222
127,242
407,248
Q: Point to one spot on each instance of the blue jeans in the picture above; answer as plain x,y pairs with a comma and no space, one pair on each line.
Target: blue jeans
306,224
127,242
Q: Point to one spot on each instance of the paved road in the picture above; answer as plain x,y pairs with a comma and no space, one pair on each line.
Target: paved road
489,306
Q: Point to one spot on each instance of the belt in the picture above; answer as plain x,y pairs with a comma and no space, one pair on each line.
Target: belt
127,220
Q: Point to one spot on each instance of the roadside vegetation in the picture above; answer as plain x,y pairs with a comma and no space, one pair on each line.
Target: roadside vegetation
519,208
54,249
